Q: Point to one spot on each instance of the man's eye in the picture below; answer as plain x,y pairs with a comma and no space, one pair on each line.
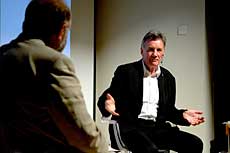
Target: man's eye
151,50
154,49
159,50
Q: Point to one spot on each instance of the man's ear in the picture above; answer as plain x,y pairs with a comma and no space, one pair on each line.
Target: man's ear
141,50
61,33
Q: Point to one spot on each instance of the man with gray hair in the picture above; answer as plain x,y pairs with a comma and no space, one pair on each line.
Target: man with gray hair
141,98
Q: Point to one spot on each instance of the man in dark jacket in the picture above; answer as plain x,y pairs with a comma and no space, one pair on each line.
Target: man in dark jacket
141,97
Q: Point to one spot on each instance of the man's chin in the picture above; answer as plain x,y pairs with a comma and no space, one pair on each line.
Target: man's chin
155,63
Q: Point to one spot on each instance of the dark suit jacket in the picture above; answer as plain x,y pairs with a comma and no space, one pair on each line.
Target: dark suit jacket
41,100
127,89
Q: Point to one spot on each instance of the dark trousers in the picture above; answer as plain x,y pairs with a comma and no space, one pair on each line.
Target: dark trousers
149,136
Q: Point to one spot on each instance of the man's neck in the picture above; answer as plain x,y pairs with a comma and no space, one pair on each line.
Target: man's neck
152,69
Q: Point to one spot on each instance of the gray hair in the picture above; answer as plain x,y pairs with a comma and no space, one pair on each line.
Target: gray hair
153,35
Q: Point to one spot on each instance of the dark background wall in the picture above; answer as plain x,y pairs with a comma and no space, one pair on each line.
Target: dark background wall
218,42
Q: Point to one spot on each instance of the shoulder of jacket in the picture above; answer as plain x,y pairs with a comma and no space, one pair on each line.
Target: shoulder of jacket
130,64
166,72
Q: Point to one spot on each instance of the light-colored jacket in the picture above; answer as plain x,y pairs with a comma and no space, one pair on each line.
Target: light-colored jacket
41,99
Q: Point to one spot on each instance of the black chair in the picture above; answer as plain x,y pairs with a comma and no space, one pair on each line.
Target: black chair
116,141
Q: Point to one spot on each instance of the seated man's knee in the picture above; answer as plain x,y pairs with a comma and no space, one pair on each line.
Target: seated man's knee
199,143
196,145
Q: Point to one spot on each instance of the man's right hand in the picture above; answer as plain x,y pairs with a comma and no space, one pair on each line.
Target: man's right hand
110,105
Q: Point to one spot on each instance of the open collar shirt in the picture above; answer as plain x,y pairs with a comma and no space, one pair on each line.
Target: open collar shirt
150,94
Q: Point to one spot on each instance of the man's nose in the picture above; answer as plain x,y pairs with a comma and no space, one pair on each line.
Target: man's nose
155,52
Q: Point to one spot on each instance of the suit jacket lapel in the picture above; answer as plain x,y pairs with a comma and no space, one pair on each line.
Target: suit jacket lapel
139,77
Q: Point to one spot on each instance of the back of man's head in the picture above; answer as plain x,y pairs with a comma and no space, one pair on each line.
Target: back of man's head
43,18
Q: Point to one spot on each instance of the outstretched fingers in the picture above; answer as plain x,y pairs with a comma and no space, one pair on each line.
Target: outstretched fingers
110,105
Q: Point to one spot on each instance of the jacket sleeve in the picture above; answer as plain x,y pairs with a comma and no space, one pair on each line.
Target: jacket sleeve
115,89
80,130
174,114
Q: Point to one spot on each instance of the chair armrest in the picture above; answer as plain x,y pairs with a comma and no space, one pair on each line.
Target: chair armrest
115,135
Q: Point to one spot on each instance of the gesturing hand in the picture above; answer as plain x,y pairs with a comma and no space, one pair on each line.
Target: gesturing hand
193,117
110,105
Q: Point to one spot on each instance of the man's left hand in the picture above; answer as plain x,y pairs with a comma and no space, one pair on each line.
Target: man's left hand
193,117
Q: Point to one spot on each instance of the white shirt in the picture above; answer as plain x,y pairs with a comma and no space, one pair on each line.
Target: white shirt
150,95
